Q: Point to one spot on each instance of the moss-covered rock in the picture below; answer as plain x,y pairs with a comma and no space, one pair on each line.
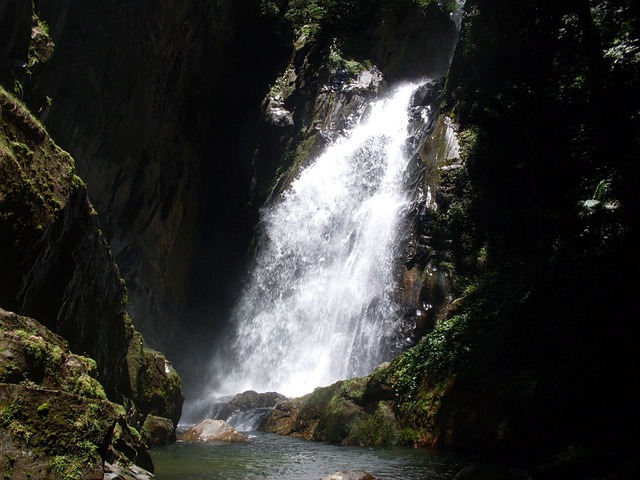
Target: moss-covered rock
51,434
156,386
353,412
158,431
54,416
32,354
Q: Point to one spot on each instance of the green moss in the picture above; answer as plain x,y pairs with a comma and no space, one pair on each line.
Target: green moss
337,61
377,430
11,411
354,389
411,436
43,408
41,46
9,370
85,386
9,464
66,467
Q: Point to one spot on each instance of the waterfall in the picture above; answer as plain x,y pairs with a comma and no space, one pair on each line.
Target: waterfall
320,303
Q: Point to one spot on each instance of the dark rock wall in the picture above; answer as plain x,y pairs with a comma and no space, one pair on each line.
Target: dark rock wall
56,265
14,39
540,99
151,99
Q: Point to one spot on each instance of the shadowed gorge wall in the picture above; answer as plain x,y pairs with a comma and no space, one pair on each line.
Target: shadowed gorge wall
150,99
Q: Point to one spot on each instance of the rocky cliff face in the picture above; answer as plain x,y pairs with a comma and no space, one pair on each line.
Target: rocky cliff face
57,267
56,264
151,100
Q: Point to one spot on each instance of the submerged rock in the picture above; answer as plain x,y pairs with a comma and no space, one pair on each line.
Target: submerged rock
210,430
350,475
120,471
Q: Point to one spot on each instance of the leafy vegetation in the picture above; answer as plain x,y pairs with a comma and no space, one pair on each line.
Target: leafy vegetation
539,213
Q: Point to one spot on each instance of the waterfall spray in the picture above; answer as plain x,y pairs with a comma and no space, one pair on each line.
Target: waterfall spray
319,305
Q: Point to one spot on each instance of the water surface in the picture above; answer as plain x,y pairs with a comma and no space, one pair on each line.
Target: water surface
275,457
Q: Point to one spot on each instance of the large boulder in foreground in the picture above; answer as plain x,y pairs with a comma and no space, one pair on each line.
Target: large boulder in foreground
55,419
53,434
209,430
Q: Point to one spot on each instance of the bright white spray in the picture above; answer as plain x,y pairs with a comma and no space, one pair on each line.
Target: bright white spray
320,304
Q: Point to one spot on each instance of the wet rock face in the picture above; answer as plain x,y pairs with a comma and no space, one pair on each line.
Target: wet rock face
244,411
247,401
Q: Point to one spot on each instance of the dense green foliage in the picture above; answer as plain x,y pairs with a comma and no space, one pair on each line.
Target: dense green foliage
542,224
344,16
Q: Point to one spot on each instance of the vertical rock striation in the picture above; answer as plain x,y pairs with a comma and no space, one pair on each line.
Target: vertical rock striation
150,98
57,267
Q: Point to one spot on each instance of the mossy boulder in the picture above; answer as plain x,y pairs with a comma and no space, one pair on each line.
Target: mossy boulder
347,413
55,419
158,431
156,386
32,354
51,434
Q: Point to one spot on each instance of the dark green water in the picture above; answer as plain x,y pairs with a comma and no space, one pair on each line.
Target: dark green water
276,457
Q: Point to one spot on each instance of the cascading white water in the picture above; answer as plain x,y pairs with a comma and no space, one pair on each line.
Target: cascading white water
320,305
